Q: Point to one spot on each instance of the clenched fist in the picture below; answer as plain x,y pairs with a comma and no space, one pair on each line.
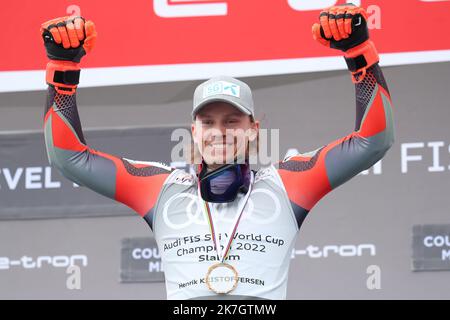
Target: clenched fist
68,38
345,28
342,27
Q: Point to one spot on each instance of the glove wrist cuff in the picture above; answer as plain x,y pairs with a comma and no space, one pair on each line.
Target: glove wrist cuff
360,58
63,75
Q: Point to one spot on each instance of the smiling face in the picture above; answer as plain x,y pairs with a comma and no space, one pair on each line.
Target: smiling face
223,133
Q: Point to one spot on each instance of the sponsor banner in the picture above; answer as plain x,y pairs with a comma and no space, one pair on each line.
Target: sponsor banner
140,261
26,262
334,250
431,247
172,40
31,188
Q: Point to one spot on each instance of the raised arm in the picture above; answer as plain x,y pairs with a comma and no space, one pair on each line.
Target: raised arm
310,176
133,183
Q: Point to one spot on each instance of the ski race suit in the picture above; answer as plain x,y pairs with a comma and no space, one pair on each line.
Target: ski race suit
282,196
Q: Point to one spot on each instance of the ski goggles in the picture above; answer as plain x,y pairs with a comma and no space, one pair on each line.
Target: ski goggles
223,184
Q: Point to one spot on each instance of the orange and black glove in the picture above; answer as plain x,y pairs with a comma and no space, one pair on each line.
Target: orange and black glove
345,28
66,40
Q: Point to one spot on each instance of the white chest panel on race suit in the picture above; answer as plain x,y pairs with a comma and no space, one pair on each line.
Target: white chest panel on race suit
261,249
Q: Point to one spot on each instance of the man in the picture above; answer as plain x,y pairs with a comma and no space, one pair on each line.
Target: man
226,233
